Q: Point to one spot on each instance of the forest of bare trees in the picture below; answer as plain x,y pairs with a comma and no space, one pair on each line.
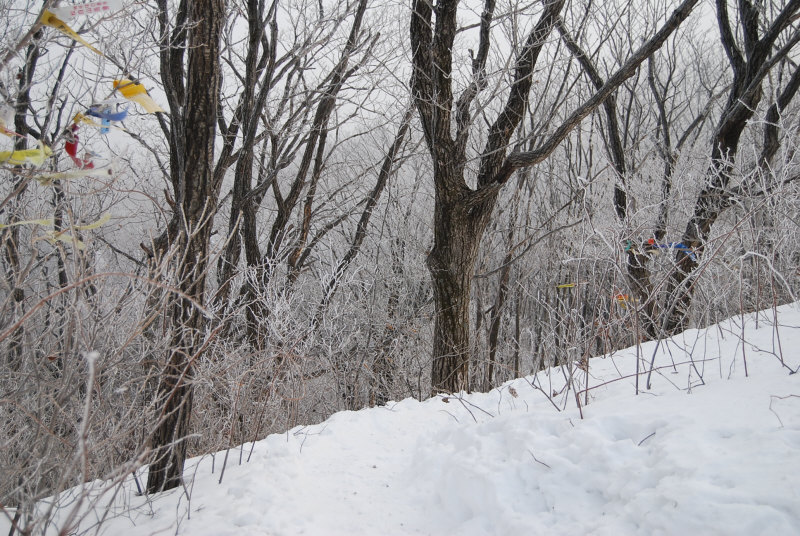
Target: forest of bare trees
219,220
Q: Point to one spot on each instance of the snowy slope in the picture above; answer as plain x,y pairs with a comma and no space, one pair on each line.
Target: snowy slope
706,450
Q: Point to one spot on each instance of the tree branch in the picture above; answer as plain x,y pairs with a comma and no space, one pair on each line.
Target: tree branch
521,159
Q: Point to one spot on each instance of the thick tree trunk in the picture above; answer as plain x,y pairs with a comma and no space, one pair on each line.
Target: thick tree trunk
458,229
196,192
175,395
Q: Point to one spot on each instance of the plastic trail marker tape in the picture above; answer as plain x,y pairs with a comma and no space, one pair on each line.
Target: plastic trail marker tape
50,19
6,120
137,93
61,236
49,222
106,115
623,300
26,156
46,179
71,146
680,246
570,285
652,245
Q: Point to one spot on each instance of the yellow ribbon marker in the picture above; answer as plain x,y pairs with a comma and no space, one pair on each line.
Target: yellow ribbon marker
623,300
86,120
61,236
104,219
49,19
32,156
137,93
571,285
47,179
45,222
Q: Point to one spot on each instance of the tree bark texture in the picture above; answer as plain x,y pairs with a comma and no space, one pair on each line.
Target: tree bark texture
458,228
196,197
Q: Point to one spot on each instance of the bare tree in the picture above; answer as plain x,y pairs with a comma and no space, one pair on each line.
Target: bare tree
754,47
192,132
461,212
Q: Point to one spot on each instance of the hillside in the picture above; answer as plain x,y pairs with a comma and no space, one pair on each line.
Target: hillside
705,450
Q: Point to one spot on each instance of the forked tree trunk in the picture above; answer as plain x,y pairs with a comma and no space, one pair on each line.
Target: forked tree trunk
461,213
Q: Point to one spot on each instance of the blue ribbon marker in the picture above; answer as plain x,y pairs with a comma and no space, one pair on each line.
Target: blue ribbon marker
106,116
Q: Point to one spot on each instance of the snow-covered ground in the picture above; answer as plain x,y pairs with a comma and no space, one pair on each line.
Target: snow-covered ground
705,450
